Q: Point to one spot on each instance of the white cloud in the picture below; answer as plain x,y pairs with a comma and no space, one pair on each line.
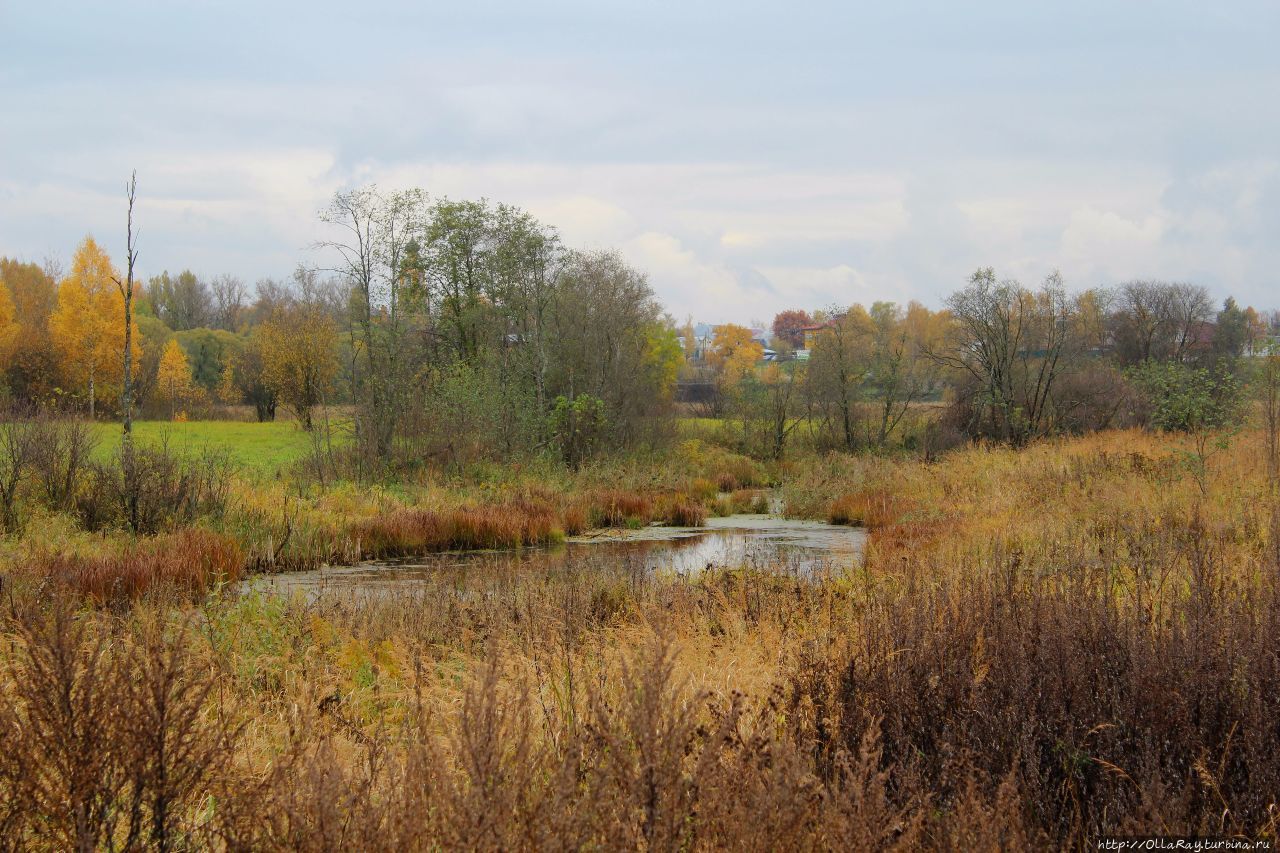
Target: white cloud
685,283
816,287
1105,240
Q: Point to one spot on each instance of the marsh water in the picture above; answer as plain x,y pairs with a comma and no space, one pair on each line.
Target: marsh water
764,542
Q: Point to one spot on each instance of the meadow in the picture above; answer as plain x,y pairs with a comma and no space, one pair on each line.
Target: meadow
268,449
1042,646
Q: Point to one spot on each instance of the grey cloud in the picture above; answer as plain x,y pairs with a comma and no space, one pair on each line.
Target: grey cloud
851,150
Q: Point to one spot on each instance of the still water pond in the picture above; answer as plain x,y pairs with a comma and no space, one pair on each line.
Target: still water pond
765,542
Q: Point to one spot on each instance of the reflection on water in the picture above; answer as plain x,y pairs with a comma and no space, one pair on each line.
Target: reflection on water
766,543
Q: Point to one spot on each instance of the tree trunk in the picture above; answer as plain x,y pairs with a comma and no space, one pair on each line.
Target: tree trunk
126,385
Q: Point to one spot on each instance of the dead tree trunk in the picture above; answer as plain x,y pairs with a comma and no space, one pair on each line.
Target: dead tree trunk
126,386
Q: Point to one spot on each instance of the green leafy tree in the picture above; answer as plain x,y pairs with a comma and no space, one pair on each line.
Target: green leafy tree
208,351
579,427
1231,333
249,376
183,301
663,357
1207,405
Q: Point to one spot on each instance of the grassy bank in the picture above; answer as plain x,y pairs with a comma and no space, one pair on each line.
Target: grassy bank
241,482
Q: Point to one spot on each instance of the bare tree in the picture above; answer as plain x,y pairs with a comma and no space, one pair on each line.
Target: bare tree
53,267
1140,320
841,361
126,386
1191,310
229,295
1011,342
1156,320
376,232
770,406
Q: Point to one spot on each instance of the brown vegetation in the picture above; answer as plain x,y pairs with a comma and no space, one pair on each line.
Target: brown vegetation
1083,644
418,531
189,562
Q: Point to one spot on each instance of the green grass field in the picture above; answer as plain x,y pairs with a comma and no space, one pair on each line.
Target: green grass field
270,449
264,449
706,429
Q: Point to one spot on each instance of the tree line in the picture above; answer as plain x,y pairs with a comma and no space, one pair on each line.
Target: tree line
1000,361
447,329
453,330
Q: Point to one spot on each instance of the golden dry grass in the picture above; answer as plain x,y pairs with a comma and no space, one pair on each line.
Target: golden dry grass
1044,645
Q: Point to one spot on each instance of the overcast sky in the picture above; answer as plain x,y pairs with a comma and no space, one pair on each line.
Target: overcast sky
750,157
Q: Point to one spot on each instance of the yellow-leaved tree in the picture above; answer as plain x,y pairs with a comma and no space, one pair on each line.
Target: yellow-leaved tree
299,345
9,327
734,353
87,326
173,378
662,358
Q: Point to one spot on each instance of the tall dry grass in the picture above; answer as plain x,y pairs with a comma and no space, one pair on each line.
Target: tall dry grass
190,562
1043,647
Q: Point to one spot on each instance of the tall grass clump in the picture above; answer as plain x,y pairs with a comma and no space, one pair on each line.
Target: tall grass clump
414,531
190,563
618,508
680,510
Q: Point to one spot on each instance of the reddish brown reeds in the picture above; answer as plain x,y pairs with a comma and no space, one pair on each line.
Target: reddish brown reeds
749,500
413,531
872,509
727,482
574,520
616,508
681,510
189,562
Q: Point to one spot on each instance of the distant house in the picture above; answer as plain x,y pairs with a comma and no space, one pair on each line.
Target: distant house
1264,345
704,336
1200,337
812,332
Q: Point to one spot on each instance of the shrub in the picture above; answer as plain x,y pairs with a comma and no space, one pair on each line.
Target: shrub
579,427
168,491
1095,397
63,447
119,746
1182,398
